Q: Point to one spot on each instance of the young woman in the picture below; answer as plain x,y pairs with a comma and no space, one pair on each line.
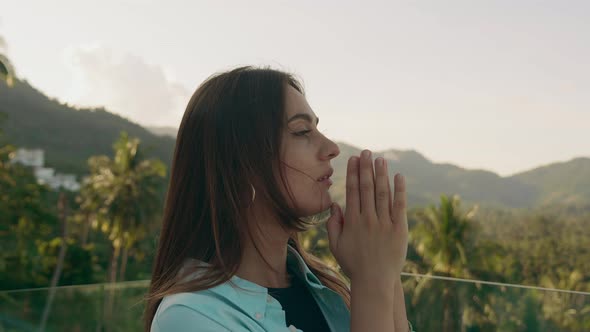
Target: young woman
249,165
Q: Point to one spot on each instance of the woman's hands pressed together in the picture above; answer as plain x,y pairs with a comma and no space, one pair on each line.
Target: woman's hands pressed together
370,239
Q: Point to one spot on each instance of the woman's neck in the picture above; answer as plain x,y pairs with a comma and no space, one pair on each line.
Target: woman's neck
272,244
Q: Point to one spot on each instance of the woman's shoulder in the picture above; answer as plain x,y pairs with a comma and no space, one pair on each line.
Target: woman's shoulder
214,309
194,300
184,311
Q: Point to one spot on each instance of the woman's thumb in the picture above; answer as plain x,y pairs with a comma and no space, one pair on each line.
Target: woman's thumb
334,225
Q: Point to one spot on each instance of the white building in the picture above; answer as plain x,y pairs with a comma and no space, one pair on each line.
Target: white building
67,181
44,174
33,158
36,158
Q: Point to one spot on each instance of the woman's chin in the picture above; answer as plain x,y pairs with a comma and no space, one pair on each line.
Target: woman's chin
325,205
315,206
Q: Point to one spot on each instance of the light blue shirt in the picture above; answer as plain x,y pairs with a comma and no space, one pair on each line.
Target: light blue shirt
251,308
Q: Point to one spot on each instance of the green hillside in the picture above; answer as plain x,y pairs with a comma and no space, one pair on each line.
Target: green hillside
565,183
427,180
68,135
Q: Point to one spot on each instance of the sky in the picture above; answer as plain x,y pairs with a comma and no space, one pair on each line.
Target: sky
496,85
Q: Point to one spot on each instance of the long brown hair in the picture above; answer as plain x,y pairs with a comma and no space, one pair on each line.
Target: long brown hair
229,138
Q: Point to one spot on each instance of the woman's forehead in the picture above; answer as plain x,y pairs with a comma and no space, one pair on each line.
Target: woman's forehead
298,108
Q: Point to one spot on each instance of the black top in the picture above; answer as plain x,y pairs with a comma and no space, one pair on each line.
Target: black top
301,309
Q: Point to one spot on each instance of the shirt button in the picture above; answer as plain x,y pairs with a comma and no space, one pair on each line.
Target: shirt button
269,299
258,315
292,328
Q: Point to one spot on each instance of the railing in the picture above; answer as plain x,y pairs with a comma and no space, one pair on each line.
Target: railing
96,307
433,303
438,303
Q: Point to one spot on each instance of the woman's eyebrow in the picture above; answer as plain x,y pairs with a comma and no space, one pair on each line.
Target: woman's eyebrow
304,116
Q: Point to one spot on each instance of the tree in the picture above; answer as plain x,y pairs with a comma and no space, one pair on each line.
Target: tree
6,70
443,240
26,219
62,209
125,192
569,311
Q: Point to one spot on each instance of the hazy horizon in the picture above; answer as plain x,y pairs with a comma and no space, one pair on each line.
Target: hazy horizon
166,128
500,86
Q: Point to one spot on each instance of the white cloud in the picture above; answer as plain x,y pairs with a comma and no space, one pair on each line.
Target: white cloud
124,84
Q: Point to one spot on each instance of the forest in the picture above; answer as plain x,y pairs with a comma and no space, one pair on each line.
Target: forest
104,236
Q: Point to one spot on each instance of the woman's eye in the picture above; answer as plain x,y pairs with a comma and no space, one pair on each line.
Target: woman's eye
302,133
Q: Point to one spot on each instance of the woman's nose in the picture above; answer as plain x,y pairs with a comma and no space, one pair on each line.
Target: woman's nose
333,150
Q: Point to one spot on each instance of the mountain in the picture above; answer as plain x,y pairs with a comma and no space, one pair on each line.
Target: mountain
426,180
69,136
560,183
163,131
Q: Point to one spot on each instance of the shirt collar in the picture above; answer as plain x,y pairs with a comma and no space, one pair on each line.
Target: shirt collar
253,297
301,269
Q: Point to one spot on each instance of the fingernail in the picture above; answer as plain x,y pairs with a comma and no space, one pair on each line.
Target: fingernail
366,154
379,161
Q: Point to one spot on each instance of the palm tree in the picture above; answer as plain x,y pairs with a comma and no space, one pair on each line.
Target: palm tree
125,191
444,245
62,209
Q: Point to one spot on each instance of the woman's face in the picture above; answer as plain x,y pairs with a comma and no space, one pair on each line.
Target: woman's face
305,154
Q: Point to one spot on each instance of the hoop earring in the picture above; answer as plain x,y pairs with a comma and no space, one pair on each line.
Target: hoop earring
253,192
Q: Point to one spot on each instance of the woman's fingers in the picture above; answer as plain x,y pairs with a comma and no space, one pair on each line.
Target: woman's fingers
353,206
382,192
399,199
367,185
368,191
368,245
